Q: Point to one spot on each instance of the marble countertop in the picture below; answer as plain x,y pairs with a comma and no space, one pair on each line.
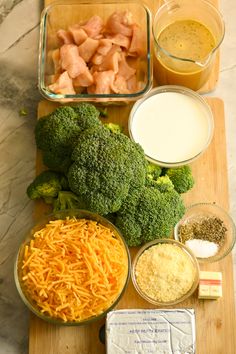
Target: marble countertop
19,29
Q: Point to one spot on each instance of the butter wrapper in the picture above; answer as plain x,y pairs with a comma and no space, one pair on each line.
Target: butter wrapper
210,285
151,332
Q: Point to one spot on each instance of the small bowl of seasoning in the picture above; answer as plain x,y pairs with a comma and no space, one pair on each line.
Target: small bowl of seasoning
165,272
208,230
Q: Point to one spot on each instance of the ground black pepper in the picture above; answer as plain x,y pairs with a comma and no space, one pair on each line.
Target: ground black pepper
203,228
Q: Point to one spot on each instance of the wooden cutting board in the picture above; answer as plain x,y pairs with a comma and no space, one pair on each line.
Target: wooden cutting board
215,319
153,5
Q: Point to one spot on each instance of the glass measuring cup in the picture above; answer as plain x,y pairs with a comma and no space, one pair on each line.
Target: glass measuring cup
189,71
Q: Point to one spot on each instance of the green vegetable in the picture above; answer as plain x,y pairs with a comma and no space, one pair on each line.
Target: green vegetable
105,166
181,177
163,184
46,185
114,128
67,200
147,214
103,112
57,134
153,171
23,111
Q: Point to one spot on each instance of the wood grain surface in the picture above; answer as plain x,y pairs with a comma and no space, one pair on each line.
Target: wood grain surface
215,319
153,5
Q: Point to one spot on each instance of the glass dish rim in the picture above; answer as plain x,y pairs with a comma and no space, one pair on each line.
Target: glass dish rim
28,236
177,89
42,52
186,250
227,215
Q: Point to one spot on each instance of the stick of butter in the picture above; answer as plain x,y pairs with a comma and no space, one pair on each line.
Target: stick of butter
210,285
151,331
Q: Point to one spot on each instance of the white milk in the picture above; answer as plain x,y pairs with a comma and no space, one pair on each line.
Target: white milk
171,127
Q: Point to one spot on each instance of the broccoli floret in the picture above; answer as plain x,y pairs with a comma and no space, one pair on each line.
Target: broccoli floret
163,184
67,200
87,115
114,128
105,166
147,214
55,130
181,177
153,171
57,161
57,134
46,185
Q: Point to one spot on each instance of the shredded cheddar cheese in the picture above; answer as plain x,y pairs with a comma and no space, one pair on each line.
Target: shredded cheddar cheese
74,269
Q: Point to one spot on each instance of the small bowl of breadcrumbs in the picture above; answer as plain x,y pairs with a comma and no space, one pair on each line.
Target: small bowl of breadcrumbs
165,272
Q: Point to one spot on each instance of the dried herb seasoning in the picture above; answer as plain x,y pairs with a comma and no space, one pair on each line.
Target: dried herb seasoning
206,228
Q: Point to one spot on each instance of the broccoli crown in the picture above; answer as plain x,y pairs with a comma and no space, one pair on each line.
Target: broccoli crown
153,171
67,200
181,177
46,185
147,214
114,128
105,166
57,134
56,130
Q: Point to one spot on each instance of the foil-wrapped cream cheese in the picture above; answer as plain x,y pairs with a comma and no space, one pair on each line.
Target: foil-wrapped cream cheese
151,332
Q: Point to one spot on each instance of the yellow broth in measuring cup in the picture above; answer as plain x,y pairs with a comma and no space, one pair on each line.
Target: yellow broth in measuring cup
186,38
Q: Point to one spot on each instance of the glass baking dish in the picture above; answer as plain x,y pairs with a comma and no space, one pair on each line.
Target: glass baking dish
61,15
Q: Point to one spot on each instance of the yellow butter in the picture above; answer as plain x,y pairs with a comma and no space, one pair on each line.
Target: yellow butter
210,285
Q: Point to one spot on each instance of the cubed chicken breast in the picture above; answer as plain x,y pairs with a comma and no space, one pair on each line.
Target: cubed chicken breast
120,22
120,39
103,81
65,37
79,35
104,46
63,85
71,61
110,62
138,44
124,69
84,80
120,85
93,26
88,48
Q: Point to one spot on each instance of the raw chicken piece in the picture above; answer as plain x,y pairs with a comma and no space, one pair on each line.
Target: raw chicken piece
65,36
93,26
138,45
120,22
132,84
104,46
63,85
56,61
97,59
120,39
88,48
124,69
78,34
91,89
103,81
120,85
71,61
84,80
110,62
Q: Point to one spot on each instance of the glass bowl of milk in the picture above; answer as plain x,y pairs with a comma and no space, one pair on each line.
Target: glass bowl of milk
173,124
